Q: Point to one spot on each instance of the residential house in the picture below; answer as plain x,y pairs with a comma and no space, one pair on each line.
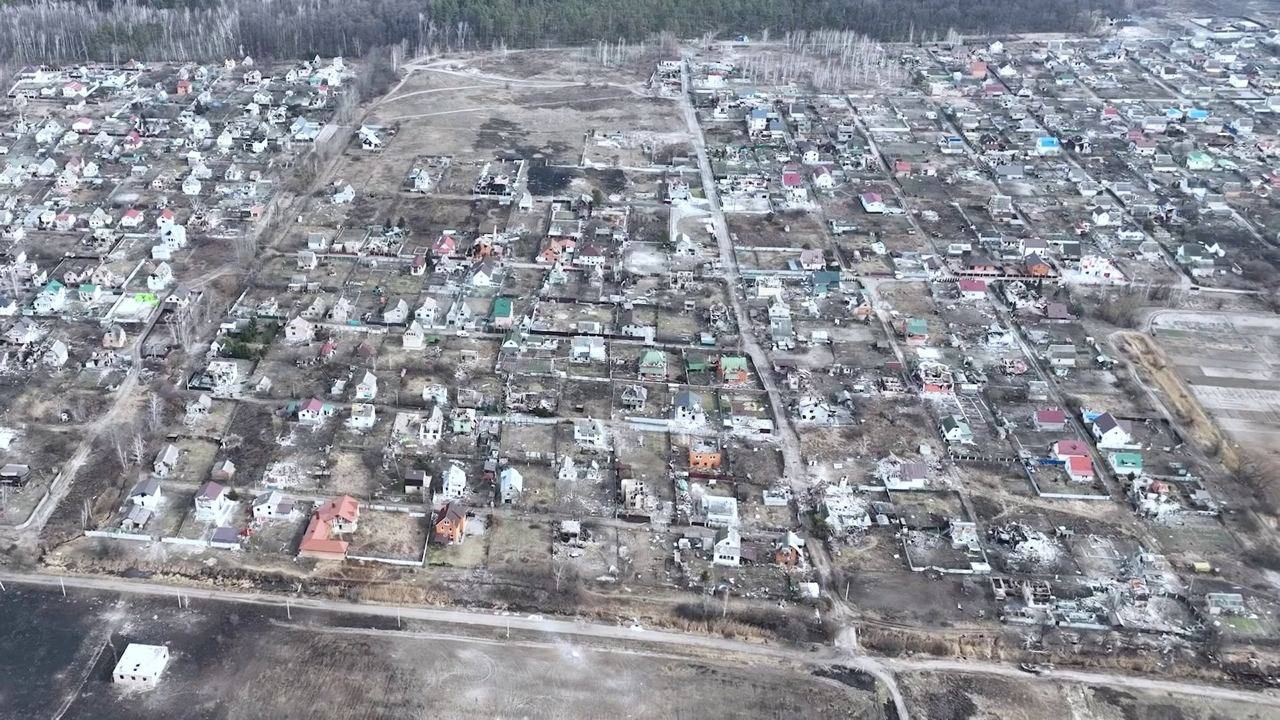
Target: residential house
313,412
653,365
52,298
395,313
719,511
734,370
1111,433
363,416
589,434
1125,463
956,431
449,524
367,388
1080,468
140,666
704,455
335,517
453,482
727,550
146,494
213,506
510,484
634,397
630,325
274,505
972,289
299,330
503,313
414,338
1050,420
587,349
687,410
915,331
55,356
1065,449
166,461
427,312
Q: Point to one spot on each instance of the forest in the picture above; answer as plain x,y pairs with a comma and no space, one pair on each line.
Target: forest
60,31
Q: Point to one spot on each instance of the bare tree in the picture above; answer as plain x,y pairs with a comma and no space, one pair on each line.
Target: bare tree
139,449
122,453
155,412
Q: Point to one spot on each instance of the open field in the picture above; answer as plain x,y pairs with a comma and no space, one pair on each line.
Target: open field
239,662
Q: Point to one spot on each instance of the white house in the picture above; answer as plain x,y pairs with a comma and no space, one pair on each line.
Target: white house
1110,433
720,511
132,218
140,666
453,482
433,428
55,356
146,494
510,484
396,313
313,412
274,506
212,504
345,195
160,278
426,313
589,434
588,348
299,330
363,416
688,411
367,389
166,461
728,548
414,337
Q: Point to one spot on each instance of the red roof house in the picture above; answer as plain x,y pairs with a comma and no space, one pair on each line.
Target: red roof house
1080,468
1052,419
1064,449
972,288
332,518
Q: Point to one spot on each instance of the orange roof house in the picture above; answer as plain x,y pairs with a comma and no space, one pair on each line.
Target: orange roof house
339,515
704,456
449,524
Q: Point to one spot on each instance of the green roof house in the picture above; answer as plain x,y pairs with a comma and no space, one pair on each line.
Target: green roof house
1126,463
1199,160
653,365
503,313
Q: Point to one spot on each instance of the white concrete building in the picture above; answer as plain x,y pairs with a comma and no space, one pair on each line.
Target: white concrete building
141,665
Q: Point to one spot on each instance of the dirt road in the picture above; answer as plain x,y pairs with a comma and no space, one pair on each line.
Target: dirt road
884,669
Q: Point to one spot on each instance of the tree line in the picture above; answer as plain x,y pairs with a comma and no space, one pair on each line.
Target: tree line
59,31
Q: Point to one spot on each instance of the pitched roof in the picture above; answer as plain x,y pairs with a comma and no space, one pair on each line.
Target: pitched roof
210,491
452,511
1051,416
1071,448
1080,465
1105,422
344,508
